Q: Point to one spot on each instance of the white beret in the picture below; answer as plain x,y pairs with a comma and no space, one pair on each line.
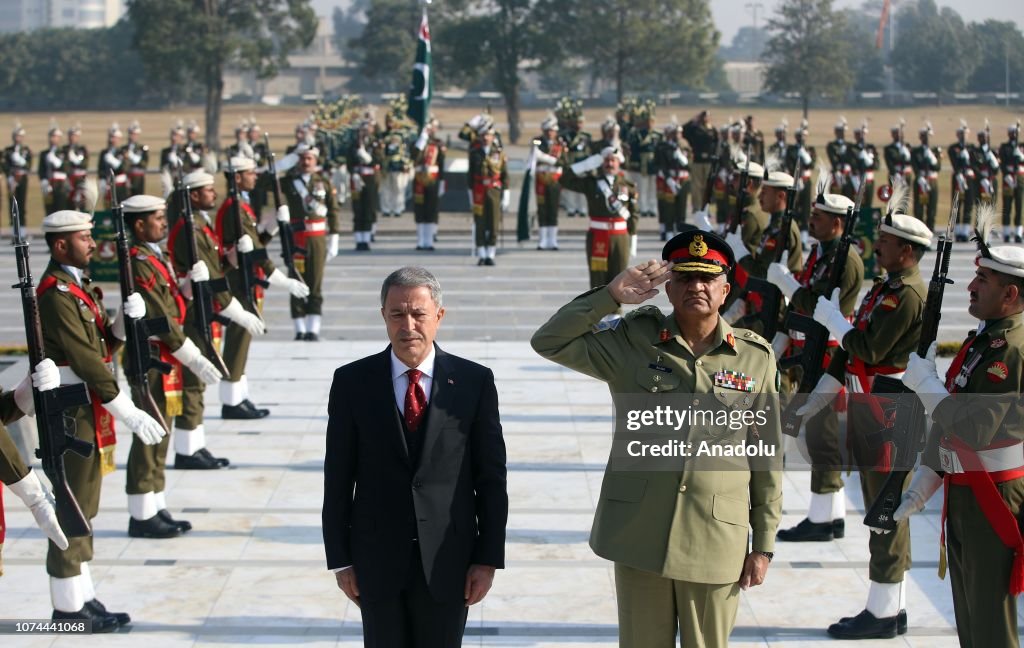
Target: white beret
242,163
836,204
198,179
779,180
142,203
908,228
66,220
754,170
1007,259
612,150
549,124
302,149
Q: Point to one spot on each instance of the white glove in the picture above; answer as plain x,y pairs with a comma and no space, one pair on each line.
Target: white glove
18,159
735,312
173,160
541,156
199,272
588,164
283,214
112,160
820,398
780,275
441,188
235,312
268,223
923,485
780,344
40,501
476,122
245,245
297,289
320,210
363,156
53,159
703,220
827,313
632,245
805,157
44,184
735,241
506,200
134,306
421,141
134,157
922,377
141,424
44,378
332,246
357,182
672,185
189,355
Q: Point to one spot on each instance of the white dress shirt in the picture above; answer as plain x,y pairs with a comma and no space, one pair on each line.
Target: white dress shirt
400,379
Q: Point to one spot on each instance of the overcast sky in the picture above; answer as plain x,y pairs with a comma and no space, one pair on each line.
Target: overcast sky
730,15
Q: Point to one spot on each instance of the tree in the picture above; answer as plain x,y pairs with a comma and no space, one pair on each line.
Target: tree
747,45
866,63
181,39
1001,44
807,53
934,49
384,50
349,24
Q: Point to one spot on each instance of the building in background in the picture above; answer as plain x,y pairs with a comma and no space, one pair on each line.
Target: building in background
29,15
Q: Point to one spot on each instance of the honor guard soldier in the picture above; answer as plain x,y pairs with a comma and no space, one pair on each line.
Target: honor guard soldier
865,163
730,156
610,136
640,145
841,159
885,330
753,138
986,168
194,150
190,451
927,162
703,139
961,158
171,157
394,168
137,157
364,163
680,539
428,185
53,174
77,157
255,234
826,516
1011,159
17,162
751,225
241,147
316,221
898,155
612,207
146,219
579,145
488,184
779,148
974,451
800,159
81,339
549,154
260,155
112,159
673,181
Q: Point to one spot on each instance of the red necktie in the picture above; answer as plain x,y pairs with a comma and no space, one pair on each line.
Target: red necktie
415,400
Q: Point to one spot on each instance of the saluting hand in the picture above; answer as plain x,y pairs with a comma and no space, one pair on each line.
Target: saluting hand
636,284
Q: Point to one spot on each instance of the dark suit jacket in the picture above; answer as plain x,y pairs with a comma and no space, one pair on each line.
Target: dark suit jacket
376,498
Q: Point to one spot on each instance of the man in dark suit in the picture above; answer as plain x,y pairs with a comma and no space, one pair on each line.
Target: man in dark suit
415,503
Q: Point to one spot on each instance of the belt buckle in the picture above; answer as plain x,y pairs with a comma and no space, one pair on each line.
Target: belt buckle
949,462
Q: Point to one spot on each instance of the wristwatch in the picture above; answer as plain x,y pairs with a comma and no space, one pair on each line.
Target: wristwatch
767,554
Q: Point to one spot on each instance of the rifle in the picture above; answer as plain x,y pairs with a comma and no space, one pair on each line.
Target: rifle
741,194
771,296
56,431
139,358
202,291
812,359
286,231
247,261
903,415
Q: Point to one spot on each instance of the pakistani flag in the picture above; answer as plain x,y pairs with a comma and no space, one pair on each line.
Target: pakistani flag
422,85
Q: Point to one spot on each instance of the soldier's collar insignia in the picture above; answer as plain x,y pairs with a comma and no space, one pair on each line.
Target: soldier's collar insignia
664,335
997,372
698,247
734,380
998,343
730,339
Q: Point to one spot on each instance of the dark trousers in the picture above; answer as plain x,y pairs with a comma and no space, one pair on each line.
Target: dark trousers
411,618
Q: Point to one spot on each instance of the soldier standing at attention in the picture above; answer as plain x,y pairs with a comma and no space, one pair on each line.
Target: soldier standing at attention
961,158
53,174
112,159
17,162
364,163
841,159
137,156
926,161
640,145
428,184
77,157
801,161
194,149
549,154
865,163
678,538
986,171
488,183
673,164
1011,158
578,147
394,168
754,138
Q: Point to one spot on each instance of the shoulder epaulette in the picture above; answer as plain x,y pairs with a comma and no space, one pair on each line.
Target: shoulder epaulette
753,339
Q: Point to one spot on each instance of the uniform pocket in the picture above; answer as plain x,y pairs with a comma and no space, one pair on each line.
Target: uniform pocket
730,510
654,381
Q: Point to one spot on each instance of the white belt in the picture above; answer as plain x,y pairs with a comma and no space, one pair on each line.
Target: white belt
58,176
932,175
428,168
316,226
993,459
615,225
869,176
365,170
120,178
548,168
683,175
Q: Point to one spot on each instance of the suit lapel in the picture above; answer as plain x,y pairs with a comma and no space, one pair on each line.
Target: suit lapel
389,417
442,392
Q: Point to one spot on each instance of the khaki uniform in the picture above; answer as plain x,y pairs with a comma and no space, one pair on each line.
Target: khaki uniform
800,161
313,206
704,143
612,207
989,363
678,538
12,468
77,335
488,179
763,255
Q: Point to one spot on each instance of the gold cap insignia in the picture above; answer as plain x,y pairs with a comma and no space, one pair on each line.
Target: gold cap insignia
698,247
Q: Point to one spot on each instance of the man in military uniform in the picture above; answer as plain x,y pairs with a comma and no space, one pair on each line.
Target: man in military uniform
488,184
394,168
549,154
610,136
77,157
190,451
986,171
137,156
753,139
578,148
53,174
17,161
886,329
865,163
926,161
241,146
961,158
258,197
171,157
744,228
364,163
112,159
841,160
703,139
194,150
145,481
779,149
234,389
81,339
801,159
897,155
1011,159
612,207
640,145
316,221
826,516
679,565
673,182
428,184
974,449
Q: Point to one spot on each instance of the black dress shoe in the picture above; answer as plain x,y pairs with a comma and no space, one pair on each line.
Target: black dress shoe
244,410
429,248
362,247
263,411
901,621
183,525
312,337
838,528
99,608
482,261
100,622
154,528
808,531
198,461
865,626
220,461
299,337
489,262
